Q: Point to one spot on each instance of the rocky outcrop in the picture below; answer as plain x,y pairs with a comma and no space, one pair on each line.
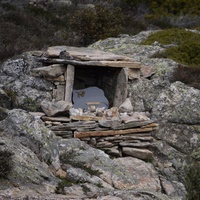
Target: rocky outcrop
32,134
153,164
22,90
89,171
174,105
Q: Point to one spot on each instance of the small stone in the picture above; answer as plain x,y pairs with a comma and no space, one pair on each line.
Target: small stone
54,108
61,174
143,154
126,106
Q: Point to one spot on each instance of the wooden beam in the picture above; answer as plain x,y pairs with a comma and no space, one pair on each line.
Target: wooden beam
69,78
110,132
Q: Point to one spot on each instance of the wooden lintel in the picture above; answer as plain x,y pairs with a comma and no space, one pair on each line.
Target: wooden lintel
110,132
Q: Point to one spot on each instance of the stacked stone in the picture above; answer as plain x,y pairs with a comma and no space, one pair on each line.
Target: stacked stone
117,133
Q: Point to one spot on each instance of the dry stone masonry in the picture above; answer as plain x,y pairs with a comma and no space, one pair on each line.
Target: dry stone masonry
90,100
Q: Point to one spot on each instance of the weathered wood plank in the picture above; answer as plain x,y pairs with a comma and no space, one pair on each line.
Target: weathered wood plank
69,78
110,132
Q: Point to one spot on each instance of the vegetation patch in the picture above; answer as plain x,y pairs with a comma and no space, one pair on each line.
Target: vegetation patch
192,178
186,52
186,49
61,185
5,163
176,36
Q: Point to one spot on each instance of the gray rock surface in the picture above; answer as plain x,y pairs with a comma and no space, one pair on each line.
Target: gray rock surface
55,108
33,134
23,91
92,173
174,105
178,104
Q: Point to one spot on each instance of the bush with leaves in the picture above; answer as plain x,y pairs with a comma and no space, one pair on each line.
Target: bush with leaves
97,23
187,49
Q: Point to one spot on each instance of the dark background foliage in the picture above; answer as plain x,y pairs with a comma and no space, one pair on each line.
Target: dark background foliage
5,163
33,27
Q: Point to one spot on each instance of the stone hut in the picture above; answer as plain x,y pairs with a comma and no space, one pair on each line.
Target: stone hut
91,100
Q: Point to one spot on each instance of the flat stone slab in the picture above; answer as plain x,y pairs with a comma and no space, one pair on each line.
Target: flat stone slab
83,56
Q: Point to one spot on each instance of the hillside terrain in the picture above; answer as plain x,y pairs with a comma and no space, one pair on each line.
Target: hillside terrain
35,163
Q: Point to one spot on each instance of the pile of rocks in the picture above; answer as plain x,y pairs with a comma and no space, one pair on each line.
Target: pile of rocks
117,132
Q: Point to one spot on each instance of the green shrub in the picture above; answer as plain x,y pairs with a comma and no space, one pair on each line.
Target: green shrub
187,53
175,7
172,36
8,7
61,185
192,177
5,163
187,49
98,23
158,21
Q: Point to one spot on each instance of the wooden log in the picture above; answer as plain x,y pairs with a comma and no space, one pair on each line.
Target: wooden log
110,132
69,78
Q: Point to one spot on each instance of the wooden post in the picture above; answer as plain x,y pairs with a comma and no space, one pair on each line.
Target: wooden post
69,82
